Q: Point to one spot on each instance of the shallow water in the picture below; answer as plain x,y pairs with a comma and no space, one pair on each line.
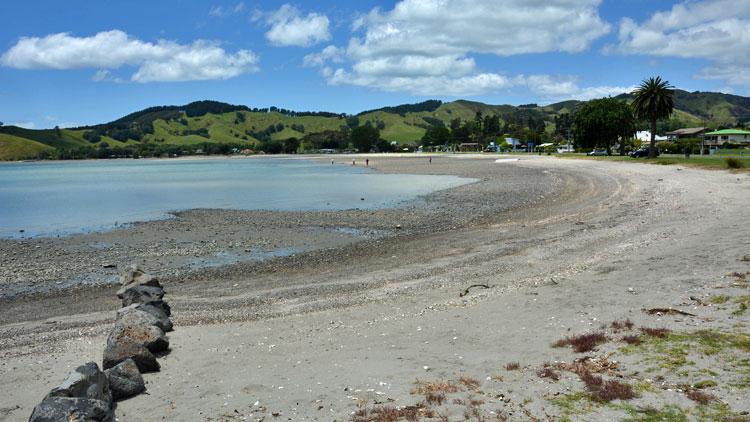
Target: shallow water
59,198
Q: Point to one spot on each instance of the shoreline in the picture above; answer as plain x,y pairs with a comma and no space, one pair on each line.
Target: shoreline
565,246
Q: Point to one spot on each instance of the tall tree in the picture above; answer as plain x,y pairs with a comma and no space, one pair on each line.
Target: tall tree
364,137
654,100
599,123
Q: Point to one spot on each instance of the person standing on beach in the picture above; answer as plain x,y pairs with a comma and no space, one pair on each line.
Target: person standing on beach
430,159
354,163
367,162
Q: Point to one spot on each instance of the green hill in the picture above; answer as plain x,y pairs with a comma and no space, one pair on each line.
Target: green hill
213,126
15,148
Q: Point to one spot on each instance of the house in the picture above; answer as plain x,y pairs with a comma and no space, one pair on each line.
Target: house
690,132
514,143
470,146
735,136
645,136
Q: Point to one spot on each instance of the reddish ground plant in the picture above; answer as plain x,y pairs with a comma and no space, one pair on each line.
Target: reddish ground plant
582,343
626,324
393,414
700,397
470,383
424,388
512,366
434,398
604,391
656,332
634,339
548,372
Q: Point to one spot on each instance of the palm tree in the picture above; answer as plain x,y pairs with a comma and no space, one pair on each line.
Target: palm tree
654,100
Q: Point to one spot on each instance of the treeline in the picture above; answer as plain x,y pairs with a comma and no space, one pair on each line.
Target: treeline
141,150
428,106
484,129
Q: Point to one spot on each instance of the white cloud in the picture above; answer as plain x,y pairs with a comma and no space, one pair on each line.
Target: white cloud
564,88
330,53
714,30
427,85
426,46
290,28
161,61
221,11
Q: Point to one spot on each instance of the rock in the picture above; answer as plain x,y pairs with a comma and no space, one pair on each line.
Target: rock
150,336
83,396
159,309
68,409
86,381
120,352
108,265
137,293
125,380
134,275
144,315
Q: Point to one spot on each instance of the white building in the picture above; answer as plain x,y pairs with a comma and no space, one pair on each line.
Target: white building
645,136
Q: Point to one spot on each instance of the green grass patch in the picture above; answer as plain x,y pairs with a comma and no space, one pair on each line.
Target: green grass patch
709,162
718,300
16,148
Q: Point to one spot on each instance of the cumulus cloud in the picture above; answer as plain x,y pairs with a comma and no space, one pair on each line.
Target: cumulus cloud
329,54
290,28
426,46
715,30
164,61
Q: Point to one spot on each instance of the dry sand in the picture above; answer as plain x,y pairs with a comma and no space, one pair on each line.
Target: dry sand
354,323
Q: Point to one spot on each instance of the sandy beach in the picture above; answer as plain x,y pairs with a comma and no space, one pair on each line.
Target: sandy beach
334,315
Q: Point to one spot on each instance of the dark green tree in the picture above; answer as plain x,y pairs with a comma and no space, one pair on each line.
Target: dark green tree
364,137
654,100
599,123
437,135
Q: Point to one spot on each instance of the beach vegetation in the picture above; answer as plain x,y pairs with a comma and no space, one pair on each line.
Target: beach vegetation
654,101
583,343
601,122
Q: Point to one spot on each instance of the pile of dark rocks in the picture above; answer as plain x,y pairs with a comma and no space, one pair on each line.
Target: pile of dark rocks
136,340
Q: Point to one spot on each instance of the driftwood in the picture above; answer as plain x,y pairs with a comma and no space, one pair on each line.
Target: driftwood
466,292
667,311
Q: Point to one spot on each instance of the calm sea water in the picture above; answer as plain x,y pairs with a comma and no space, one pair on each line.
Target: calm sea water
54,198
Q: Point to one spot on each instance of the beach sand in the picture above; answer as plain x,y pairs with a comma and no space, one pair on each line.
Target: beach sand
355,321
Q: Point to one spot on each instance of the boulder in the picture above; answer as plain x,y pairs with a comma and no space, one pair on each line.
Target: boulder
150,336
134,275
86,381
144,315
120,352
125,380
138,293
67,409
84,395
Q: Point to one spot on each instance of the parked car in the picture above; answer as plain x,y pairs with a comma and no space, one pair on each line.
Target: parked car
643,152
597,153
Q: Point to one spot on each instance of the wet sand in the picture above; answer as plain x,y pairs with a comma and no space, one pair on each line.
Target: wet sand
372,303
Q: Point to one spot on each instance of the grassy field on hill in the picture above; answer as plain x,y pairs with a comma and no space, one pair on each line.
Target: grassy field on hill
15,148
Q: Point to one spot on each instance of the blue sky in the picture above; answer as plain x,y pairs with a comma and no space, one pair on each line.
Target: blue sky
83,62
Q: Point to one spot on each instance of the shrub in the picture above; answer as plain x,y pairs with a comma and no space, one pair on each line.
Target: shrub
734,163
512,366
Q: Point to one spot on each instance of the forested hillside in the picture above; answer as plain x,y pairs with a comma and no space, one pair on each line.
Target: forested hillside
215,127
